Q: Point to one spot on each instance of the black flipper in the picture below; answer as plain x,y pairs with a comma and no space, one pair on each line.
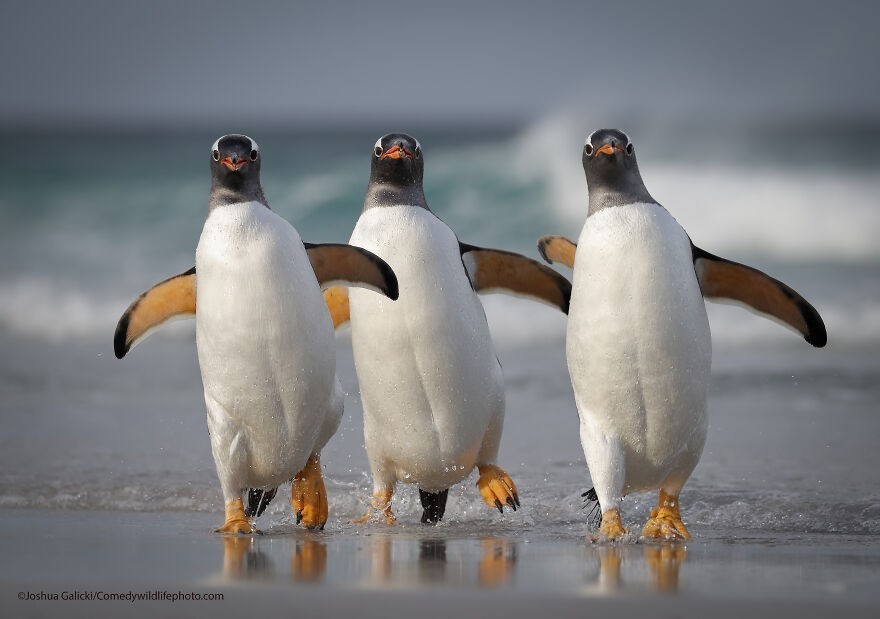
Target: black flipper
258,500
595,515
337,264
720,278
433,505
172,298
494,270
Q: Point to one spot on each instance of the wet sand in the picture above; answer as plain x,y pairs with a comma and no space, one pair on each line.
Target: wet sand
445,571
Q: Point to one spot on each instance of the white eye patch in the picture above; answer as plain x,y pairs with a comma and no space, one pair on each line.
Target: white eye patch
216,144
589,141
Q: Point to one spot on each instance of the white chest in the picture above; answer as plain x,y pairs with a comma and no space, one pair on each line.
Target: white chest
638,342
259,317
429,379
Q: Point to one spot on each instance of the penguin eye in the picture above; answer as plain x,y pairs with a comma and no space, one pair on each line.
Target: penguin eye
588,149
629,148
254,155
215,154
377,151
418,151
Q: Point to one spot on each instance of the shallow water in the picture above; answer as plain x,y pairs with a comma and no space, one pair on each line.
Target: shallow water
791,445
137,551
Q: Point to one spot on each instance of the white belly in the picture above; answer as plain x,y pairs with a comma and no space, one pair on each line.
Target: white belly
265,343
638,344
429,378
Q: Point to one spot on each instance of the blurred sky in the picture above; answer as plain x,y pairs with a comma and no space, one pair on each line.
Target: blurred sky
128,64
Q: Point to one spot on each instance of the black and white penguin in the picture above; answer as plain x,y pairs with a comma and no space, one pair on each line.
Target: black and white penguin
264,336
638,343
431,384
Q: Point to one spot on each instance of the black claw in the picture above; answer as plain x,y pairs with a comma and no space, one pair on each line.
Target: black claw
299,517
511,503
516,499
498,505
321,528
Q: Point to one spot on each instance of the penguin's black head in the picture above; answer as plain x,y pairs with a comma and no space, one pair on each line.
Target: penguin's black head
608,151
235,161
397,159
235,171
609,159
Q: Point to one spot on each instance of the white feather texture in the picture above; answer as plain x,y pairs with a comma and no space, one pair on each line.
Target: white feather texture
639,351
430,382
266,348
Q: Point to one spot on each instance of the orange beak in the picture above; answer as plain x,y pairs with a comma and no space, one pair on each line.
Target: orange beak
607,149
397,152
227,161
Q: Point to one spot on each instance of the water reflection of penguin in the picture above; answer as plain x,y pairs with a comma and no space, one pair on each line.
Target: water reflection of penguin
663,561
497,562
432,561
494,567
309,561
243,560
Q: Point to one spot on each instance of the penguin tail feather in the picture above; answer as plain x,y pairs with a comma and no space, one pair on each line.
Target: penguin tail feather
258,500
595,515
433,505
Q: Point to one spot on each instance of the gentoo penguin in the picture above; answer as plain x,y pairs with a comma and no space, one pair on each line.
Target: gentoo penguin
431,384
638,342
264,337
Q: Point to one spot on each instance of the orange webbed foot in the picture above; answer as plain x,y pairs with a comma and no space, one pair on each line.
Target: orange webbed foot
381,504
611,528
308,496
497,488
665,521
237,523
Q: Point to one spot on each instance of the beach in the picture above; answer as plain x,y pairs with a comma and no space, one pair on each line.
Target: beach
448,571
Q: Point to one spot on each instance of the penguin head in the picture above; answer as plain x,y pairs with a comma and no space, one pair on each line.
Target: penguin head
397,159
609,160
609,154
235,162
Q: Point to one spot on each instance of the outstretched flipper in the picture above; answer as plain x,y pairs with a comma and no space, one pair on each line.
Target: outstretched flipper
723,279
493,270
340,264
173,298
557,249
